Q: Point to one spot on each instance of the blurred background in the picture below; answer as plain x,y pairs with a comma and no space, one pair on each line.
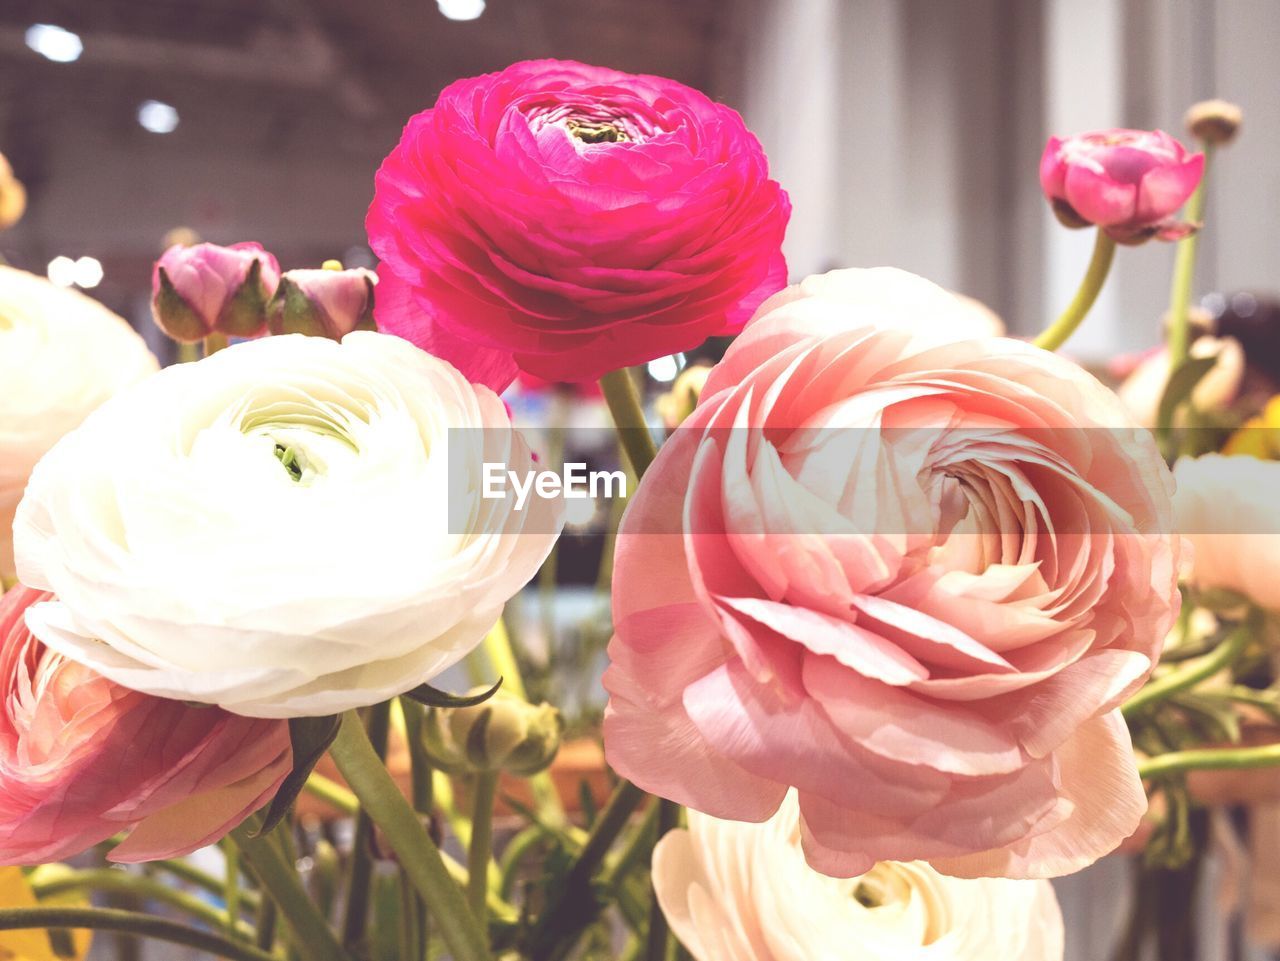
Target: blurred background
908,132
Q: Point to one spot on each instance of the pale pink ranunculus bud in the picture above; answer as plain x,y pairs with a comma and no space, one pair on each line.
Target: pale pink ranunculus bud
329,302
206,288
1226,508
909,572
1145,385
83,759
1130,183
743,892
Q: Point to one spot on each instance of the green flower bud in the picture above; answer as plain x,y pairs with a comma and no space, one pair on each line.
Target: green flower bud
505,733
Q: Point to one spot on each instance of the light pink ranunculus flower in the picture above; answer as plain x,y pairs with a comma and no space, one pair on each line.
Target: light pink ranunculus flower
82,759
1128,182
206,288
743,892
912,577
1226,508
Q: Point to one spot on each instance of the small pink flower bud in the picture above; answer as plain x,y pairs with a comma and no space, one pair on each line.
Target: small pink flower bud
330,302
1130,183
198,290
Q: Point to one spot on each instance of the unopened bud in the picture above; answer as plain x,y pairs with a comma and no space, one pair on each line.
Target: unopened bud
329,302
199,290
1214,121
505,733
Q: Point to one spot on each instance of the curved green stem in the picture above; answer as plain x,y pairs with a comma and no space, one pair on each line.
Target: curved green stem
1191,673
129,922
148,889
214,343
623,398
309,929
231,895
659,933
360,880
206,882
1184,269
1210,759
1057,333
331,793
485,791
573,907
418,854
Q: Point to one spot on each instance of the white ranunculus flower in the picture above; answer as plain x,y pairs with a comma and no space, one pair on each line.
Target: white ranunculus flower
742,892
290,527
1227,510
61,355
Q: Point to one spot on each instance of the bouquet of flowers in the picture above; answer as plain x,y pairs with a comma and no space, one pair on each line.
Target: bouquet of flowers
907,616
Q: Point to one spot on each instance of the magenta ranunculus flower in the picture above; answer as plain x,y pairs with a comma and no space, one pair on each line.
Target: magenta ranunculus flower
205,288
82,758
567,220
912,577
1128,182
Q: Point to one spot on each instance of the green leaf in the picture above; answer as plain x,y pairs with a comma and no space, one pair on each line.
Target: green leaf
428,695
310,738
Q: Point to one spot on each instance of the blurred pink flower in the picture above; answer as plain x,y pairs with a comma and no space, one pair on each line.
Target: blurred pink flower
323,303
911,576
204,288
1129,182
82,758
566,220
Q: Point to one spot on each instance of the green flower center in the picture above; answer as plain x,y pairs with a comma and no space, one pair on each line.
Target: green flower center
596,131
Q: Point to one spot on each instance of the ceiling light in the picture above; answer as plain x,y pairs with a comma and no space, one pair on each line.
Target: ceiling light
664,369
461,9
88,272
157,117
62,271
54,43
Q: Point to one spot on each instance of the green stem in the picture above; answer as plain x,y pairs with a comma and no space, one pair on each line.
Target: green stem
207,882
573,909
1057,333
485,789
279,879
360,881
623,398
1192,672
422,796
659,933
1210,759
231,894
148,889
214,343
418,854
331,793
514,854
131,923
1184,269
265,933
